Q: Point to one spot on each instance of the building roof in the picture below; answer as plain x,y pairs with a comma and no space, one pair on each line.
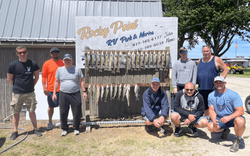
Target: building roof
54,20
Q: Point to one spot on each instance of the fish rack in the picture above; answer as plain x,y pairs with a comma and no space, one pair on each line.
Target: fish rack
141,76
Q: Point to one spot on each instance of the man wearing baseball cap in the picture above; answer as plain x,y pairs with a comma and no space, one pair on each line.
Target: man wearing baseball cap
48,80
226,110
155,106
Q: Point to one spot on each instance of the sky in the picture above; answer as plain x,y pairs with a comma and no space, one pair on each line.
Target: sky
243,49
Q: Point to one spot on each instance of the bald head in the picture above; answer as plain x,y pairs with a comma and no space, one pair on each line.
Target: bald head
189,85
189,89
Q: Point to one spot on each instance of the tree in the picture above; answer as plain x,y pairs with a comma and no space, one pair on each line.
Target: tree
216,22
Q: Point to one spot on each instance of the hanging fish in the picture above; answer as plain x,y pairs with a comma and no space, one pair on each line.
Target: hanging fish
145,59
93,92
119,62
87,61
154,59
115,91
149,58
158,61
119,92
92,58
128,59
106,93
141,61
127,94
137,91
110,60
162,59
106,60
137,59
97,93
167,61
132,60
89,92
111,91
124,92
97,59
102,92
115,62
101,61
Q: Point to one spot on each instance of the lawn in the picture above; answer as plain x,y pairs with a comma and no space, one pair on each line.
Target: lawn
246,73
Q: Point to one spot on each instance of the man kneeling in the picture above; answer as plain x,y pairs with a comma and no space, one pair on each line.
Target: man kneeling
189,108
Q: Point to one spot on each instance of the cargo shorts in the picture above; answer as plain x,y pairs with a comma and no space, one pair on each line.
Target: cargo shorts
18,99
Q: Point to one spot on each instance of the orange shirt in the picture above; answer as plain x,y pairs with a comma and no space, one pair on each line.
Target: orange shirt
49,73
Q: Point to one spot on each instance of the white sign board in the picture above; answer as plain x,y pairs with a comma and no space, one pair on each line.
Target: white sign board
125,33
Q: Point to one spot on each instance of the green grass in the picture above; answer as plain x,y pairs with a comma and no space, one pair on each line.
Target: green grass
246,73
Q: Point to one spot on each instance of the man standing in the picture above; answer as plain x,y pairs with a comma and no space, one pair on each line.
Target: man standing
189,108
48,80
184,70
208,68
20,74
69,76
226,110
155,106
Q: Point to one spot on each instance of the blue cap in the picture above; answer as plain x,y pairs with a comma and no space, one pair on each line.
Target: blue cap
155,79
54,49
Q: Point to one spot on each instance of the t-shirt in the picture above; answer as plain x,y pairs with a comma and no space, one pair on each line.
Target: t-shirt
23,81
49,73
69,79
224,103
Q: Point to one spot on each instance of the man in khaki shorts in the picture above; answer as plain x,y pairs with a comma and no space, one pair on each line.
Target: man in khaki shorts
20,74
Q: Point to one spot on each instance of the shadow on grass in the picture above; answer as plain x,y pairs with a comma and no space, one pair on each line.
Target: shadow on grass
186,132
2,141
156,133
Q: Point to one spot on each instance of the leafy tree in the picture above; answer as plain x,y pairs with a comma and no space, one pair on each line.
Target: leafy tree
214,21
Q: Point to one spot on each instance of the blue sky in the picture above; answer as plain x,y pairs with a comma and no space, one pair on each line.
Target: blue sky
243,50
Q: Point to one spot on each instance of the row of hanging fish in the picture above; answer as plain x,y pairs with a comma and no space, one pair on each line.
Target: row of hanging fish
135,60
117,92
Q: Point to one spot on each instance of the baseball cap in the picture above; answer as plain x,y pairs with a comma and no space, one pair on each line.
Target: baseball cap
183,49
67,56
54,49
219,78
155,79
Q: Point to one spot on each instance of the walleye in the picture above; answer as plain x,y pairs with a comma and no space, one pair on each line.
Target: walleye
158,61
167,61
102,92
92,58
128,59
137,90
111,91
149,58
89,92
97,59
145,59
87,61
141,61
115,62
115,91
93,92
110,60
127,94
119,62
119,92
101,62
137,59
124,91
97,93
106,60
154,59
106,93
162,59
132,60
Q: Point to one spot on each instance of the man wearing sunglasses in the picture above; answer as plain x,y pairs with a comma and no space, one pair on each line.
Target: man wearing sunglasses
69,96
184,70
188,108
226,110
23,74
48,80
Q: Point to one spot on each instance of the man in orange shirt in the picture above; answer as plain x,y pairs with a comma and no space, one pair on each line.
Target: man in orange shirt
48,79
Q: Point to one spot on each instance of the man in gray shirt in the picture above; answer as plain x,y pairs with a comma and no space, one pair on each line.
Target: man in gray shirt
184,70
69,76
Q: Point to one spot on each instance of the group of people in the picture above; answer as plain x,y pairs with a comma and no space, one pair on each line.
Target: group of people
213,105
60,80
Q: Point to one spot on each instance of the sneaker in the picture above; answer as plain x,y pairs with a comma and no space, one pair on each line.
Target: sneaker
162,130
177,131
50,126
235,146
225,133
193,130
38,133
76,132
149,128
14,135
64,133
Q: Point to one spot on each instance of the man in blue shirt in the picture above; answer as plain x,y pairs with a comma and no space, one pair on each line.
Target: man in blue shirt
155,106
226,110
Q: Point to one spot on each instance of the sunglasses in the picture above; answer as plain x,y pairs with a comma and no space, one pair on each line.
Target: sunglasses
183,52
55,52
24,52
189,90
